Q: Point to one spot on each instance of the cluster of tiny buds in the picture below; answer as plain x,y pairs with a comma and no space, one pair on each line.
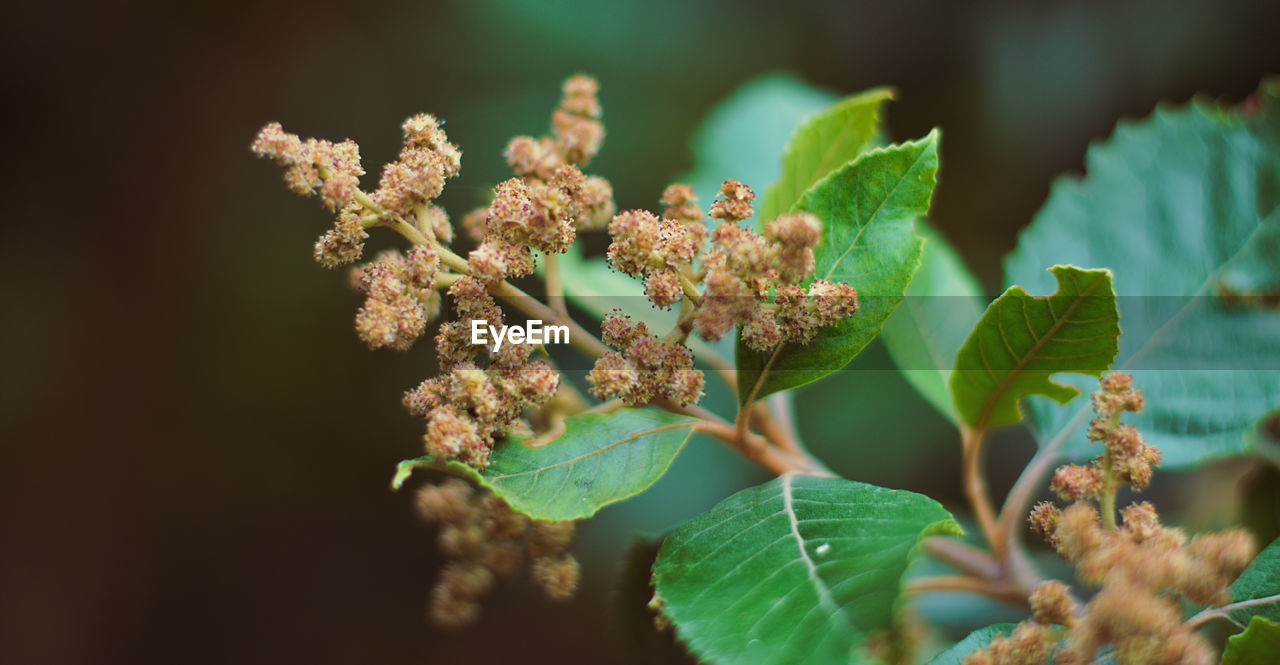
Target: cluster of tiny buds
1140,567
487,540
467,409
644,368
741,272
654,249
313,166
400,297
743,268
1126,456
550,200
332,170
577,134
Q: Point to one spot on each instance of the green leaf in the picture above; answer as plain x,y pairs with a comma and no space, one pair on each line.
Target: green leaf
1021,340
1182,207
924,334
823,143
743,137
978,639
601,458
1257,590
867,207
1259,644
798,570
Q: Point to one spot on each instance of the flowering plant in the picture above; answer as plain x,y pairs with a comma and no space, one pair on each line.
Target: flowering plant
811,567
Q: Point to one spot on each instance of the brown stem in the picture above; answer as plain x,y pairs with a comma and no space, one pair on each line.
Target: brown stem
579,337
975,489
992,589
967,558
777,433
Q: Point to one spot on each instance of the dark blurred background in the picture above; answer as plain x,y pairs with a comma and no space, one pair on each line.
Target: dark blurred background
196,450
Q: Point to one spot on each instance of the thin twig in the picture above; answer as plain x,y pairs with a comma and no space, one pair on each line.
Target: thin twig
555,287
967,558
991,589
975,488
1224,611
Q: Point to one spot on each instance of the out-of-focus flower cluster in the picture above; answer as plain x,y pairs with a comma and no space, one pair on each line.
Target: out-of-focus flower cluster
644,368
1141,568
487,540
466,408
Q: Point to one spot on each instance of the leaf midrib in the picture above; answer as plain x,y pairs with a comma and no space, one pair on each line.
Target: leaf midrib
825,596
828,155
1060,437
876,213
990,404
593,453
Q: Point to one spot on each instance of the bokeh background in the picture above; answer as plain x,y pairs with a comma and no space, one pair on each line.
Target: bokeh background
194,448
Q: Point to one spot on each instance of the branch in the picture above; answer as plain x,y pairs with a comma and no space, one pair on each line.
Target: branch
996,590
555,287
1224,611
975,488
967,558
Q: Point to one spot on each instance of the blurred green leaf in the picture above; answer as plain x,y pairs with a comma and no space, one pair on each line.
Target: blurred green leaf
1258,584
978,639
1021,340
601,458
1259,644
867,208
943,303
743,137
798,570
1184,208
822,144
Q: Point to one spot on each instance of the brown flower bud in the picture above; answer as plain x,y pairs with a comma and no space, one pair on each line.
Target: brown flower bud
1051,603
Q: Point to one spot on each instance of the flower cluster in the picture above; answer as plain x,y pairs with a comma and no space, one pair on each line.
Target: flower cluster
314,165
743,267
654,249
400,297
551,199
417,177
645,369
1126,457
467,409
741,272
406,189
577,134
1141,568
488,540
529,214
